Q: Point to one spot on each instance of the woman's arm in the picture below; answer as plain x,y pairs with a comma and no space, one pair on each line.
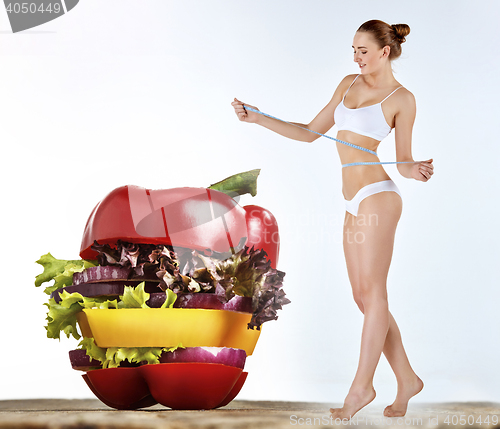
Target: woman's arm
404,120
321,123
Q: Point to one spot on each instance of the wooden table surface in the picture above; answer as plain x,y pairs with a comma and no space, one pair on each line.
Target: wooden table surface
91,413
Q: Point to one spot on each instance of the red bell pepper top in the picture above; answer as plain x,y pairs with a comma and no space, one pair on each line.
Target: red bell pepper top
195,218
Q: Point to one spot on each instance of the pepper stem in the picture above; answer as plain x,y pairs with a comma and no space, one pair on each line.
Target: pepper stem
238,184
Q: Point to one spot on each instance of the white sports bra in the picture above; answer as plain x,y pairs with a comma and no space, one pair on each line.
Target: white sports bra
368,121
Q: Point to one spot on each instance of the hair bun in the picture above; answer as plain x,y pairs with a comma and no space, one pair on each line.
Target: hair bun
401,31
385,34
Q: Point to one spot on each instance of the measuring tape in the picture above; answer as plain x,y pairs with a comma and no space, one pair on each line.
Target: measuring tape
332,138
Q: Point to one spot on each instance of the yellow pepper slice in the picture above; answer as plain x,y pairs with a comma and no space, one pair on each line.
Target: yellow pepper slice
167,327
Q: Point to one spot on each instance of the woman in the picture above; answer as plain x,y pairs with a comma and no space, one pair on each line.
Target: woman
365,108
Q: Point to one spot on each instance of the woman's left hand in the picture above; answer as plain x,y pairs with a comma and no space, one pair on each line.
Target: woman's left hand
422,170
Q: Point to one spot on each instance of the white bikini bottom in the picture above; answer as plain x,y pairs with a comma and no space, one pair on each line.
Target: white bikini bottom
352,206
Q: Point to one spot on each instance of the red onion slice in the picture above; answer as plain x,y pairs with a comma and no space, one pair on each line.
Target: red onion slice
207,301
81,361
101,274
111,289
222,355
239,303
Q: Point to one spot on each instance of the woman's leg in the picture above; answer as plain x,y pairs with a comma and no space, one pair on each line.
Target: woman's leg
368,244
409,384
353,402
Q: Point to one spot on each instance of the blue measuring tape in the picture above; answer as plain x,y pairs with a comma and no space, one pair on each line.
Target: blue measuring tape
332,138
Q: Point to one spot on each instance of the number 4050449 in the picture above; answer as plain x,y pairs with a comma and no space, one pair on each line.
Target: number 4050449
33,8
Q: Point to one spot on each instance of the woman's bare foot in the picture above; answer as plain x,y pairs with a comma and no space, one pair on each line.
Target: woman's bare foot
405,392
354,401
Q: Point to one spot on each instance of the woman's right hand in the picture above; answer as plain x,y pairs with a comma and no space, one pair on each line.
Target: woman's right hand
245,115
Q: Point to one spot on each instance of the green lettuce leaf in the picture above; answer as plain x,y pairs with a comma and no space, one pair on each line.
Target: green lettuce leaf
134,297
93,351
61,316
101,303
116,355
60,270
112,357
171,297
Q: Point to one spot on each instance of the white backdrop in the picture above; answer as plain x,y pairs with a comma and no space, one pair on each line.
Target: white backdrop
124,92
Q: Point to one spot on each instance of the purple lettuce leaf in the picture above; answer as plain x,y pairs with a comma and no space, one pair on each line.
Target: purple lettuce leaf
246,273
249,273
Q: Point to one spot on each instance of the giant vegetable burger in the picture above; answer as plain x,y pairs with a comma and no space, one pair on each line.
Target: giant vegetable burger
170,294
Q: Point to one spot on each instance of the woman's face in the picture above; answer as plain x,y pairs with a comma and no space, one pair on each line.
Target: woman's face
367,54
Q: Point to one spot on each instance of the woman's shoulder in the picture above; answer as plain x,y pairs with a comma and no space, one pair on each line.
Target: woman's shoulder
404,95
349,79
345,84
403,101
